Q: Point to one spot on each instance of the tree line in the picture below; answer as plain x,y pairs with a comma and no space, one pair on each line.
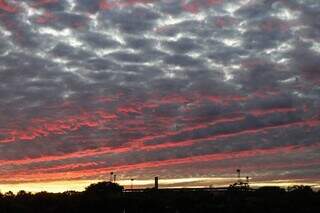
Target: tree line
111,197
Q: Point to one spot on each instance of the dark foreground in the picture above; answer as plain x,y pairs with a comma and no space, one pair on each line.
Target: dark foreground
109,197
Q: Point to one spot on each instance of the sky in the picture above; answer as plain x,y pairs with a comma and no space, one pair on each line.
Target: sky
187,90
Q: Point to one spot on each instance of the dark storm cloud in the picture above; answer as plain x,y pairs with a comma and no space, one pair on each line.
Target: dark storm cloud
89,86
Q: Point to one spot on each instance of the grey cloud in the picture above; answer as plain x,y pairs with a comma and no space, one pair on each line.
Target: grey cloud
182,60
255,10
183,45
88,5
99,41
151,58
306,62
128,57
132,21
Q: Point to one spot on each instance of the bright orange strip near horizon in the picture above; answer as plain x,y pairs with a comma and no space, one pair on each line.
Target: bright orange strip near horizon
80,185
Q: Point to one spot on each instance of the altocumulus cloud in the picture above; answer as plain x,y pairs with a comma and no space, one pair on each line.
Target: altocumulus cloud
171,87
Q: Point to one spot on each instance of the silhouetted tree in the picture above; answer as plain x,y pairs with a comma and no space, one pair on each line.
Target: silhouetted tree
104,188
300,189
109,197
9,194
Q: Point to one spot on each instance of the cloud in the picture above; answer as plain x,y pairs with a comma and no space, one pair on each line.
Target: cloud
101,85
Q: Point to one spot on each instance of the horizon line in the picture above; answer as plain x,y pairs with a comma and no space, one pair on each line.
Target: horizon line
169,183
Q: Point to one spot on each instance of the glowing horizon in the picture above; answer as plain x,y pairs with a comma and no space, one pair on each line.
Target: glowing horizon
201,182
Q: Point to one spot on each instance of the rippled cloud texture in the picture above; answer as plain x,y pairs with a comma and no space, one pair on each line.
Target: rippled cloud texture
174,88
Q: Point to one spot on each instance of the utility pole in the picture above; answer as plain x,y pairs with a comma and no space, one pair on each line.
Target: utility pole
239,178
111,176
156,182
132,183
